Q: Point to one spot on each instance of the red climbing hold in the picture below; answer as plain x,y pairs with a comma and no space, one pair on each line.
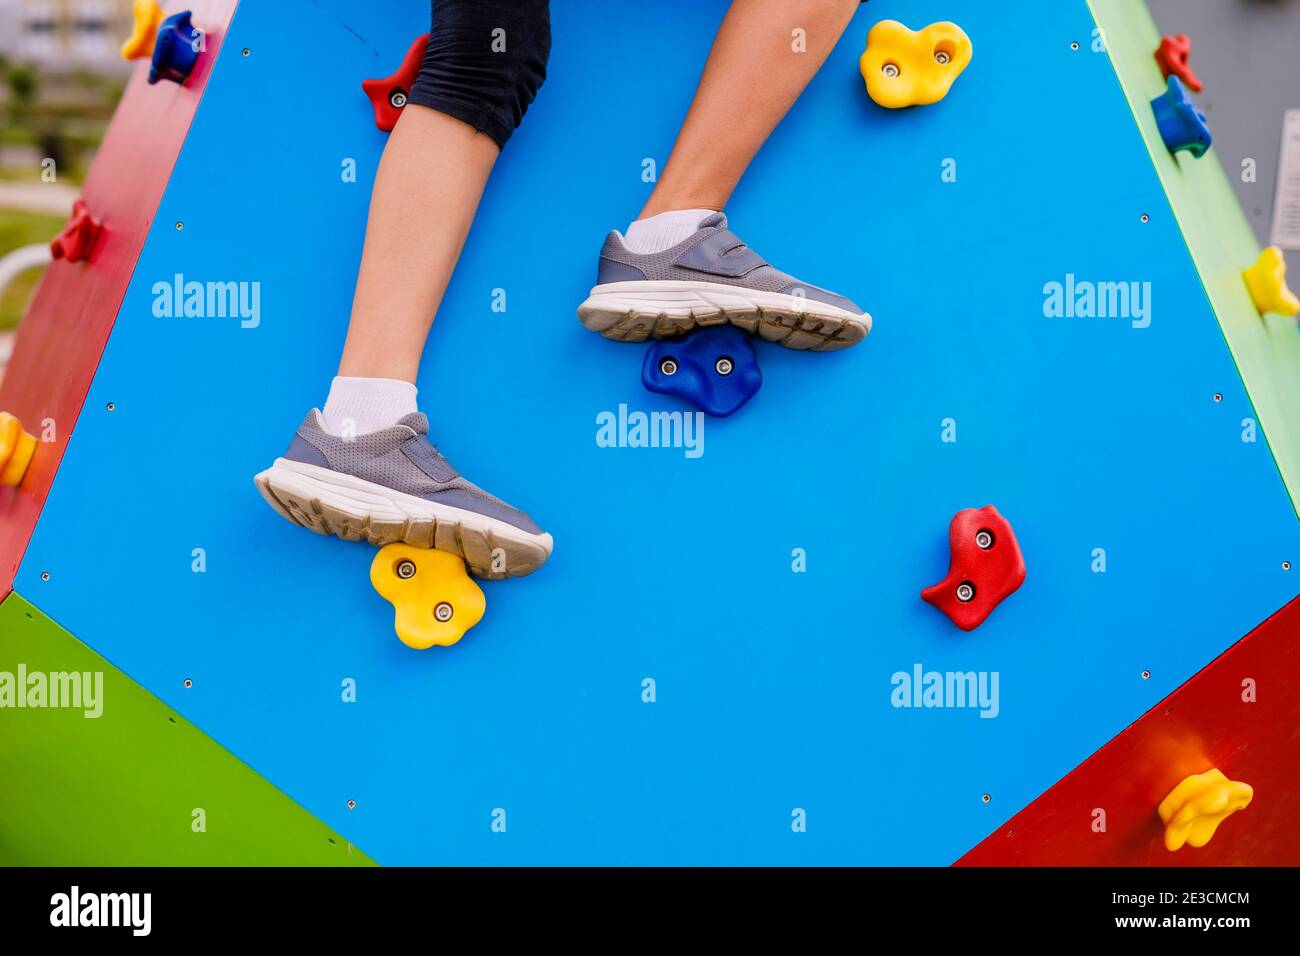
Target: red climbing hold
78,237
986,567
389,94
1172,55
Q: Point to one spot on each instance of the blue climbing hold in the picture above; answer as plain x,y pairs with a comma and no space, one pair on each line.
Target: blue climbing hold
176,49
1182,125
713,368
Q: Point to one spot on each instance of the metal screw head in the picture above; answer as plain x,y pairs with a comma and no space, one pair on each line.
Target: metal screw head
45,575
405,569
668,366
942,57
442,612
352,804
397,99
110,406
724,366
1146,675
188,683
890,69
1286,565
1218,396
987,797
246,51
984,538
965,592
1146,218
1074,46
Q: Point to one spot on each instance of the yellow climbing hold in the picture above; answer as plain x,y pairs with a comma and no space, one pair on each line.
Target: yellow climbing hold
905,67
16,450
1266,280
148,16
434,599
1195,808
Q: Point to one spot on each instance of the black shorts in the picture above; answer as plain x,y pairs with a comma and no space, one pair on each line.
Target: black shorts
485,62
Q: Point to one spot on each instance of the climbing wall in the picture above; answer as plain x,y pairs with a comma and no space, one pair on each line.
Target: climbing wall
704,670
73,309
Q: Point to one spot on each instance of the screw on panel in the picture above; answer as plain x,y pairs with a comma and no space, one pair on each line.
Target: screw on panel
1074,46
45,575
1286,565
188,683
110,406
179,225
1146,218
352,804
1218,396
246,51
1146,675
987,797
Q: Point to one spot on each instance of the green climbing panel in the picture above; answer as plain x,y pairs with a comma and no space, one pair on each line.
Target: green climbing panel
1266,349
131,786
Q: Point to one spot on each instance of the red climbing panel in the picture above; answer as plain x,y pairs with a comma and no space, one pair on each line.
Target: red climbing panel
68,321
1205,723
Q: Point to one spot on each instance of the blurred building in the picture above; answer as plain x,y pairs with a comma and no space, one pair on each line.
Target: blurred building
65,35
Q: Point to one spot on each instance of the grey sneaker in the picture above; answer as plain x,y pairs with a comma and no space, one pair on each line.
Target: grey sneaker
392,485
712,278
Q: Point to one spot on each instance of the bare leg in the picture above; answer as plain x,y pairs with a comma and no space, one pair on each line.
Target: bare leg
752,78
427,190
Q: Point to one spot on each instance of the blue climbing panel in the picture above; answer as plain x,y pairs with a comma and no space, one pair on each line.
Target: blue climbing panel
772,685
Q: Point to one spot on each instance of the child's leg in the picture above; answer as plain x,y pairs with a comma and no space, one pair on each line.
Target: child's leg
426,192
364,468
475,84
765,53
751,79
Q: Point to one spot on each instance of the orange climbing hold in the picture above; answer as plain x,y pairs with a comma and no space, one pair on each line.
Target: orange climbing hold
905,67
16,450
148,16
434,599
1195,808
1266,280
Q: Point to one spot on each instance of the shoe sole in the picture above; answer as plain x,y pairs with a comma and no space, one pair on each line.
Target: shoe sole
636,311
332,503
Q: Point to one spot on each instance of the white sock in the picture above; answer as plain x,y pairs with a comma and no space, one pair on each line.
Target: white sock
357,406
664,230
